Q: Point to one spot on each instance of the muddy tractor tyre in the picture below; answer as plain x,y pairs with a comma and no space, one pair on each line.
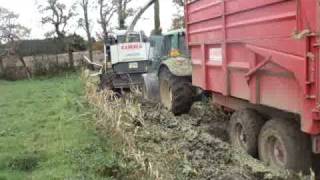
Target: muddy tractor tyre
245,126
283,145
176,93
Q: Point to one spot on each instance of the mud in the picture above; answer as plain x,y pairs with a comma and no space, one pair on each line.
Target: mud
202,137
194,146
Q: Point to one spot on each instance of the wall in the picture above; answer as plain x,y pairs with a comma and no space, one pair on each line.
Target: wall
13,68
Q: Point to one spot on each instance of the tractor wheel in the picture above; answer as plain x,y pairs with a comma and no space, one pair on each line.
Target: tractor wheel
176,93
245,126
283,145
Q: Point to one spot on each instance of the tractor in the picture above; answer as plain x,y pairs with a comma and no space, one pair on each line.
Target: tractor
169,79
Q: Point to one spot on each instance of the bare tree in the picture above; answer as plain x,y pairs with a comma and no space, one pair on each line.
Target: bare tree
157,23
56,14
85,23
179,2
10,29
107,9
123,11
11,33
140,13
178,17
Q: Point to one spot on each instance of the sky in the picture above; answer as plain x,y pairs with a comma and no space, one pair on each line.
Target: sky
30,17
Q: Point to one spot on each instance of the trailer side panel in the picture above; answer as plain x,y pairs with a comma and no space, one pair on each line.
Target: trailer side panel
263,52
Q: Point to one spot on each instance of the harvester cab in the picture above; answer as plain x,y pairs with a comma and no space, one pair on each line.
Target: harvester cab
127,57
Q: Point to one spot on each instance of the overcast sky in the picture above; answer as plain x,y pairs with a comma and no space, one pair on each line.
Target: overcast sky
30,17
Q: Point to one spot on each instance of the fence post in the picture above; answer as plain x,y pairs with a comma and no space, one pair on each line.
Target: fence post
1,67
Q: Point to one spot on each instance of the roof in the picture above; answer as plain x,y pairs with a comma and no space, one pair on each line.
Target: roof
124,32
174,32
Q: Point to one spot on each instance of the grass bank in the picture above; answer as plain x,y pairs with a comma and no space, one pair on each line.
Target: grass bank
47,131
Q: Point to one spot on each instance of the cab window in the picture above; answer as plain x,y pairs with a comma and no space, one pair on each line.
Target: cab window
129,38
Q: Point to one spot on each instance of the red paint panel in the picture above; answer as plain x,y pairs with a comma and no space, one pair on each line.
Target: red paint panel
239,88
197,80
280,92
237,52
245,5
199,6
297,48
208,11
229,38
205,26
217,74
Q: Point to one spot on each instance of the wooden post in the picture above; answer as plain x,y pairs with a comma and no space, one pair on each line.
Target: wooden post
1,67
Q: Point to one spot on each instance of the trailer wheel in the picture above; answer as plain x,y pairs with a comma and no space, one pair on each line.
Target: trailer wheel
245,126
282,144
176,93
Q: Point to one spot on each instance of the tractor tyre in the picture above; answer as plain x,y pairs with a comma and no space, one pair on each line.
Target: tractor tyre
176,93
245,126
283,145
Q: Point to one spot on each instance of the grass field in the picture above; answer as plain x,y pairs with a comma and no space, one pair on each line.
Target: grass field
47,132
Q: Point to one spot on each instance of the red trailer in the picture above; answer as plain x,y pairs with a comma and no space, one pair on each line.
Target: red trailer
260,58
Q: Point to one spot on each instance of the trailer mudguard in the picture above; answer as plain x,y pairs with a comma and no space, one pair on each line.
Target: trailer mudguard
179,66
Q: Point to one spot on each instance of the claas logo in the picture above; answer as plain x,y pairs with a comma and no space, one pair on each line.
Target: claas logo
131,46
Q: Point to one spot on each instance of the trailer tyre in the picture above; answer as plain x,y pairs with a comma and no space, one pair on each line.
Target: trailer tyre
282,144
176,93
245,126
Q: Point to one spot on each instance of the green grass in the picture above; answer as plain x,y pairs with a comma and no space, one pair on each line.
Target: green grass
47,132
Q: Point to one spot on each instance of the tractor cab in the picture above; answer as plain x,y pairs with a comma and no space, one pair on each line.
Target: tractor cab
167,46
171,65
174,44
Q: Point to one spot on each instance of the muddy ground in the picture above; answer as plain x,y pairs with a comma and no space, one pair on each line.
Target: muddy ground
194,146
202,136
